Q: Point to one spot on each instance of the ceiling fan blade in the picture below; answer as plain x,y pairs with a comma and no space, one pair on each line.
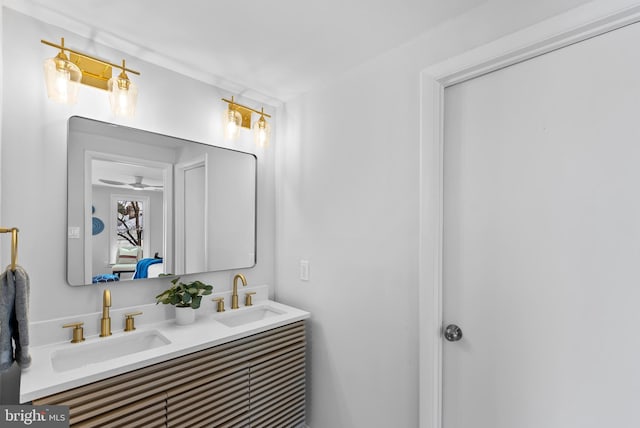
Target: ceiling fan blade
115,183
139,184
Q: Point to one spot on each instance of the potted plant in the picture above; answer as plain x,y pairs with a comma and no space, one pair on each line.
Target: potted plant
186,297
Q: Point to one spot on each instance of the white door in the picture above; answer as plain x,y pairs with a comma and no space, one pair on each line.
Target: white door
191,214
542,241
195,255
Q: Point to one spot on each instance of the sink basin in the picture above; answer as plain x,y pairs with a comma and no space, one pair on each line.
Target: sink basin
99,350
237,317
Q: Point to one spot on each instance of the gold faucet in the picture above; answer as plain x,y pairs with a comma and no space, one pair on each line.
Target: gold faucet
78,331
105,322
234,296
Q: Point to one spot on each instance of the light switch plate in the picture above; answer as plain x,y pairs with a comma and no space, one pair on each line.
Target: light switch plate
304,270
73,232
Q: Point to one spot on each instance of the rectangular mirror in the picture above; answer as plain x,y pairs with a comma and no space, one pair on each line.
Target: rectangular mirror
140,204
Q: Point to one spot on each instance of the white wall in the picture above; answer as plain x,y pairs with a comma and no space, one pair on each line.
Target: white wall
33,163
347,200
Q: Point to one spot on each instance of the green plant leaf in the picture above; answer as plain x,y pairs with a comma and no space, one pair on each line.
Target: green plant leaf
195,303
162,297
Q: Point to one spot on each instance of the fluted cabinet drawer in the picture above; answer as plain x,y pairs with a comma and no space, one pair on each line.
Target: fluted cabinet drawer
212,404
150,412
278,381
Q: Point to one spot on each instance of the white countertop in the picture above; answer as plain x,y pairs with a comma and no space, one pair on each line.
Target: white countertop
41,379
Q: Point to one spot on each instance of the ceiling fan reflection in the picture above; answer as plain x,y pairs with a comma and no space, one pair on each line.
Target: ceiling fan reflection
138,184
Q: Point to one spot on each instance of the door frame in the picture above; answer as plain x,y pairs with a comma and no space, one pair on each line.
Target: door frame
584,22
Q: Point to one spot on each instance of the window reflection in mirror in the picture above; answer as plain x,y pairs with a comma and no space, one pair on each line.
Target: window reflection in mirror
141,204
129,230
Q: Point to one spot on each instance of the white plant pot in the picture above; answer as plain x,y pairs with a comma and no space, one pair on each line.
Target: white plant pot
185,316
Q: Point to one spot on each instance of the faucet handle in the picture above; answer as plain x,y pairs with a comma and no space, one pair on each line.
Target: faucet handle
220,301
248,298
78,331
129,323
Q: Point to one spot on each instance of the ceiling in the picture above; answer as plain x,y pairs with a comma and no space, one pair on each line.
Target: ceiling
271,50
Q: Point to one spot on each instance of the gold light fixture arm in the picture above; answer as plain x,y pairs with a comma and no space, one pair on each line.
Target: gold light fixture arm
236,104
62,47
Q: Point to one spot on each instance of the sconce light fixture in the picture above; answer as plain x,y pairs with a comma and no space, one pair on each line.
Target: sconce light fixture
62,78
239,116
262,131
63,75
232,120
123,94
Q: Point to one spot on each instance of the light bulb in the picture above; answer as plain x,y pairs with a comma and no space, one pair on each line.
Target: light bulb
62,78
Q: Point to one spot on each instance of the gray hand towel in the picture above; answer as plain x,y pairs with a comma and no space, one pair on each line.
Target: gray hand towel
14,319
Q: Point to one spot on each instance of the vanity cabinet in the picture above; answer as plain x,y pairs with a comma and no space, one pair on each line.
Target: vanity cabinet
256,381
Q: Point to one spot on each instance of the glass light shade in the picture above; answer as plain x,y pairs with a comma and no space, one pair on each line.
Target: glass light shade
262,132
123,95
232,122
62,78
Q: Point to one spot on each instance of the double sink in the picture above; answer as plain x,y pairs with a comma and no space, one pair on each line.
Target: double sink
126,344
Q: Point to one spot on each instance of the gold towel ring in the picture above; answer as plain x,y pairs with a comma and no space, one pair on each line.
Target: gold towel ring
14,245
14,248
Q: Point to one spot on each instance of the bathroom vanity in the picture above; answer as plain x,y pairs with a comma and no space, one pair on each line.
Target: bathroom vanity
243,367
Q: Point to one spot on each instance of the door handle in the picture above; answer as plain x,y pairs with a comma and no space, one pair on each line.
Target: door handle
452,333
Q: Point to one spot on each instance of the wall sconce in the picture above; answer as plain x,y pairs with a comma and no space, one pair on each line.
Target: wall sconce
232,120
239,116
63,76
